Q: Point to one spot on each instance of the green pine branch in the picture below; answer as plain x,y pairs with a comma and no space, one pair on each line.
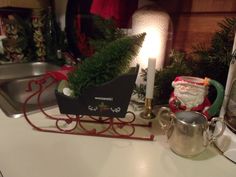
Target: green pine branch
104,33
213,62
221,44
163,78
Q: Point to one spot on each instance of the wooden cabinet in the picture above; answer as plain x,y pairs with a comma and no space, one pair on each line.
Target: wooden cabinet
24,3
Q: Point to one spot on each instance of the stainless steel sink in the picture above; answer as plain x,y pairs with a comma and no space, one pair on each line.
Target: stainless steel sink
14,80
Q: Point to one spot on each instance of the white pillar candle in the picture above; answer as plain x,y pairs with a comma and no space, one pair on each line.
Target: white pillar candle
150,77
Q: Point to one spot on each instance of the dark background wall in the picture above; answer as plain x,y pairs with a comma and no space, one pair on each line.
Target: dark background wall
195,21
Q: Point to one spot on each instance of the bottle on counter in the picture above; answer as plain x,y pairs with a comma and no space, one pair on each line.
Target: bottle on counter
53,38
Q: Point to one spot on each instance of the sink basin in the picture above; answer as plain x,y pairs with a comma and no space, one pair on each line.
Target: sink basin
14,80
21,70
16,91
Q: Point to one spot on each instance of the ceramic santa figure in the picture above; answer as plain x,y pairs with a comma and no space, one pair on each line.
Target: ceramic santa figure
190,94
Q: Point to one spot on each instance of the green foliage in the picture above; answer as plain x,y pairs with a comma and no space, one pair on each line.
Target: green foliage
213,62
179,66
105,32
105,65
163,78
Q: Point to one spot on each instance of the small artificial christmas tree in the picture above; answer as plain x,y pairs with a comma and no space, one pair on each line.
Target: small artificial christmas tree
105,65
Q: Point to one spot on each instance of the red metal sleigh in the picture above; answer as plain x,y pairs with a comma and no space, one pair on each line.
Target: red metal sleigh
100,111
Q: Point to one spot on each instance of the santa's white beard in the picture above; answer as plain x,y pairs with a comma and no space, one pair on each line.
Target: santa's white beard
190,96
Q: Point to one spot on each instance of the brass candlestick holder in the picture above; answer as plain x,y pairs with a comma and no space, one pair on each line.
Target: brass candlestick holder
147,113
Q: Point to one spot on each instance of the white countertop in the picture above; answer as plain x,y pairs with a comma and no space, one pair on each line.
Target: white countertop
25,152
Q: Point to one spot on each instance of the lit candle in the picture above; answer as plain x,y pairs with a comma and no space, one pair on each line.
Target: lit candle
150,77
